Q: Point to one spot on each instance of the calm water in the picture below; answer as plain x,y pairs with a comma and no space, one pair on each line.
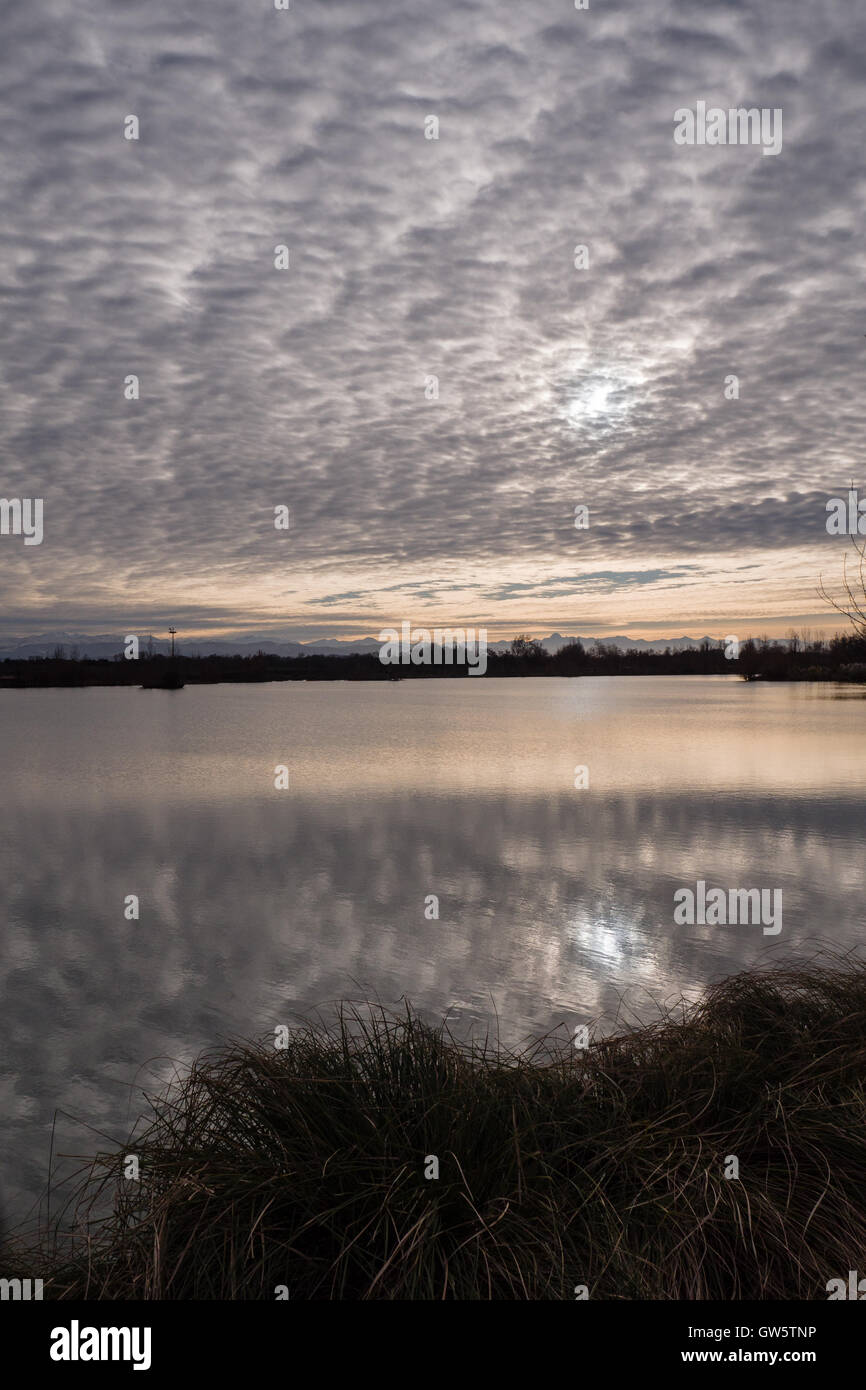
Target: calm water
555,904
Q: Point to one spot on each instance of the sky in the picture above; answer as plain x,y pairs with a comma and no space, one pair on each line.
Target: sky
433,385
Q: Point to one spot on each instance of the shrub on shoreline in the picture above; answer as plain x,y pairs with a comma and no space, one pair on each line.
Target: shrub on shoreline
305,1168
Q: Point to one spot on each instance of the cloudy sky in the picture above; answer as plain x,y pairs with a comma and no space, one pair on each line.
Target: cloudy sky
412,258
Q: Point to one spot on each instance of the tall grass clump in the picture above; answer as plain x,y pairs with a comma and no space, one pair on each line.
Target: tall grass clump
305,1168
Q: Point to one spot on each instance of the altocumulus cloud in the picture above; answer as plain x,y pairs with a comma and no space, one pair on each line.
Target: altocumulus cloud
412,258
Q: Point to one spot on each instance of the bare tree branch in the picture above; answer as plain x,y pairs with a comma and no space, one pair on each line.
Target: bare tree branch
853,605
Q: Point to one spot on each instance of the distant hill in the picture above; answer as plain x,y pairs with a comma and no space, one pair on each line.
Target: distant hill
107,645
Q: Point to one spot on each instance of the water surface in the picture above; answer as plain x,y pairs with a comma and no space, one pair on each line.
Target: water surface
555,904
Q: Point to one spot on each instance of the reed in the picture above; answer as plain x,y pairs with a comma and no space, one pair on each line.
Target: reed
305,1167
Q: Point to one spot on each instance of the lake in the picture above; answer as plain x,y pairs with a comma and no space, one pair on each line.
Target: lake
555,902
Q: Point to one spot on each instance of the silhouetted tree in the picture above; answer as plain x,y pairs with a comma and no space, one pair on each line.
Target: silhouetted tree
852,601
526,648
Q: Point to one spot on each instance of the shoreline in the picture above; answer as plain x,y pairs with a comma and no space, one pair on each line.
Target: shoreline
46,673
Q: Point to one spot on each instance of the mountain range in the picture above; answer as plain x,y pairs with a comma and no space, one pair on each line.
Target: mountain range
107,645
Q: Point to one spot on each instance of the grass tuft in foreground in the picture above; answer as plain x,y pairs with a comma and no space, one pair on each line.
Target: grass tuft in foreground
305,1167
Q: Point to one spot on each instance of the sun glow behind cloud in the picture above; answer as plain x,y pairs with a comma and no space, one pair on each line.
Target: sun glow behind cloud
599,400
